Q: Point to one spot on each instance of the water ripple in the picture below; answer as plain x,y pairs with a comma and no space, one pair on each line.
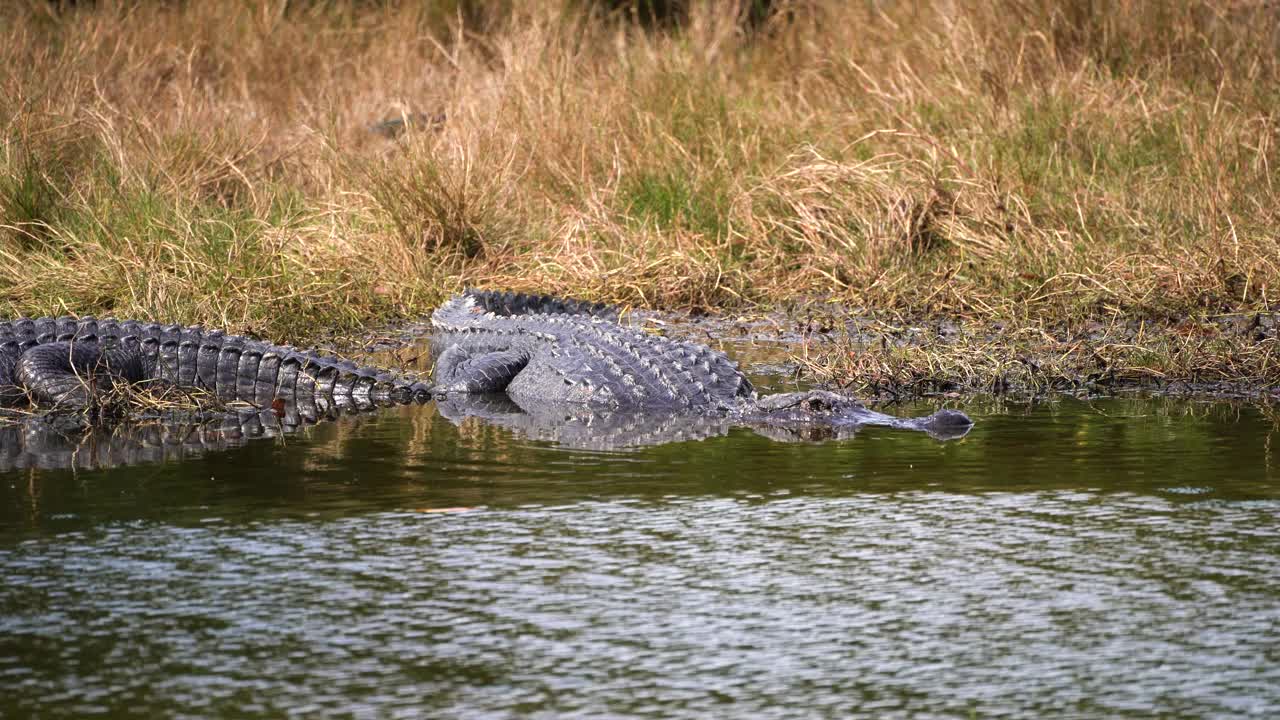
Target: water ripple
911,604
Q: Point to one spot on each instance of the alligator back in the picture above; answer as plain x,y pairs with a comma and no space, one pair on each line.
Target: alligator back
514,303
575,356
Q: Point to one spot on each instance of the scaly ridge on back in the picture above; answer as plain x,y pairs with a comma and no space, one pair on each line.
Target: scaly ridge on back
509,303
577,352
56,361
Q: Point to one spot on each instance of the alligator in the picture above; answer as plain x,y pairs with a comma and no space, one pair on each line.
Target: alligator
558,368
545,353
65,363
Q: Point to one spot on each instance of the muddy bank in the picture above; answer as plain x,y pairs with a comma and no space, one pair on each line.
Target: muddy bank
894,358
889,358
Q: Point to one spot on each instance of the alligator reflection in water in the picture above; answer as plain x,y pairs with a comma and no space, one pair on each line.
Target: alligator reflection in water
53,442
59,442
578,426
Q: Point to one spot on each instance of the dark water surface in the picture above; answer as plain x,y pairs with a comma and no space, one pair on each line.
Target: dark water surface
1112,559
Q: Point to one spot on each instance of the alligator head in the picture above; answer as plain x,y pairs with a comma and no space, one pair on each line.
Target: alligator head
812,409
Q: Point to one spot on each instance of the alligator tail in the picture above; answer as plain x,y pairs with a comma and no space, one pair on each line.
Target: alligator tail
54,361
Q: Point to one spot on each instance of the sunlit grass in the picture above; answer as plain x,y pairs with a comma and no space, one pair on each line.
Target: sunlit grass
1035,163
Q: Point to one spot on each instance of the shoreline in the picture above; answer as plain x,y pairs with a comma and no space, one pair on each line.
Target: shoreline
882,358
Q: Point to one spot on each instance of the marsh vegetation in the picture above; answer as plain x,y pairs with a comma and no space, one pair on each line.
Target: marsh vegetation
1094,181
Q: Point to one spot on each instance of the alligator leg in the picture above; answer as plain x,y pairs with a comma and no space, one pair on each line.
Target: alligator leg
460,370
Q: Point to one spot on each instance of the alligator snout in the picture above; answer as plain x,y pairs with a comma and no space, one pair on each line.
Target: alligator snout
951,419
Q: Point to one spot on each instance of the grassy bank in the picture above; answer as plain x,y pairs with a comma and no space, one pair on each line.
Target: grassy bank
1048,166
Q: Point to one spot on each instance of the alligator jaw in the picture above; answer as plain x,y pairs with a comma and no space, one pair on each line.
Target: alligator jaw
821,408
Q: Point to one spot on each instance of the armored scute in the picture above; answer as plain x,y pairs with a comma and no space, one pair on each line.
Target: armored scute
63,362
543,348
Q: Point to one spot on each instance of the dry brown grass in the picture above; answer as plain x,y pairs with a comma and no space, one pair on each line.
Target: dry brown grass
881,360
1024,160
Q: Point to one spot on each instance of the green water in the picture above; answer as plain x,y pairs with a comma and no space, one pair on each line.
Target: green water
1111,559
